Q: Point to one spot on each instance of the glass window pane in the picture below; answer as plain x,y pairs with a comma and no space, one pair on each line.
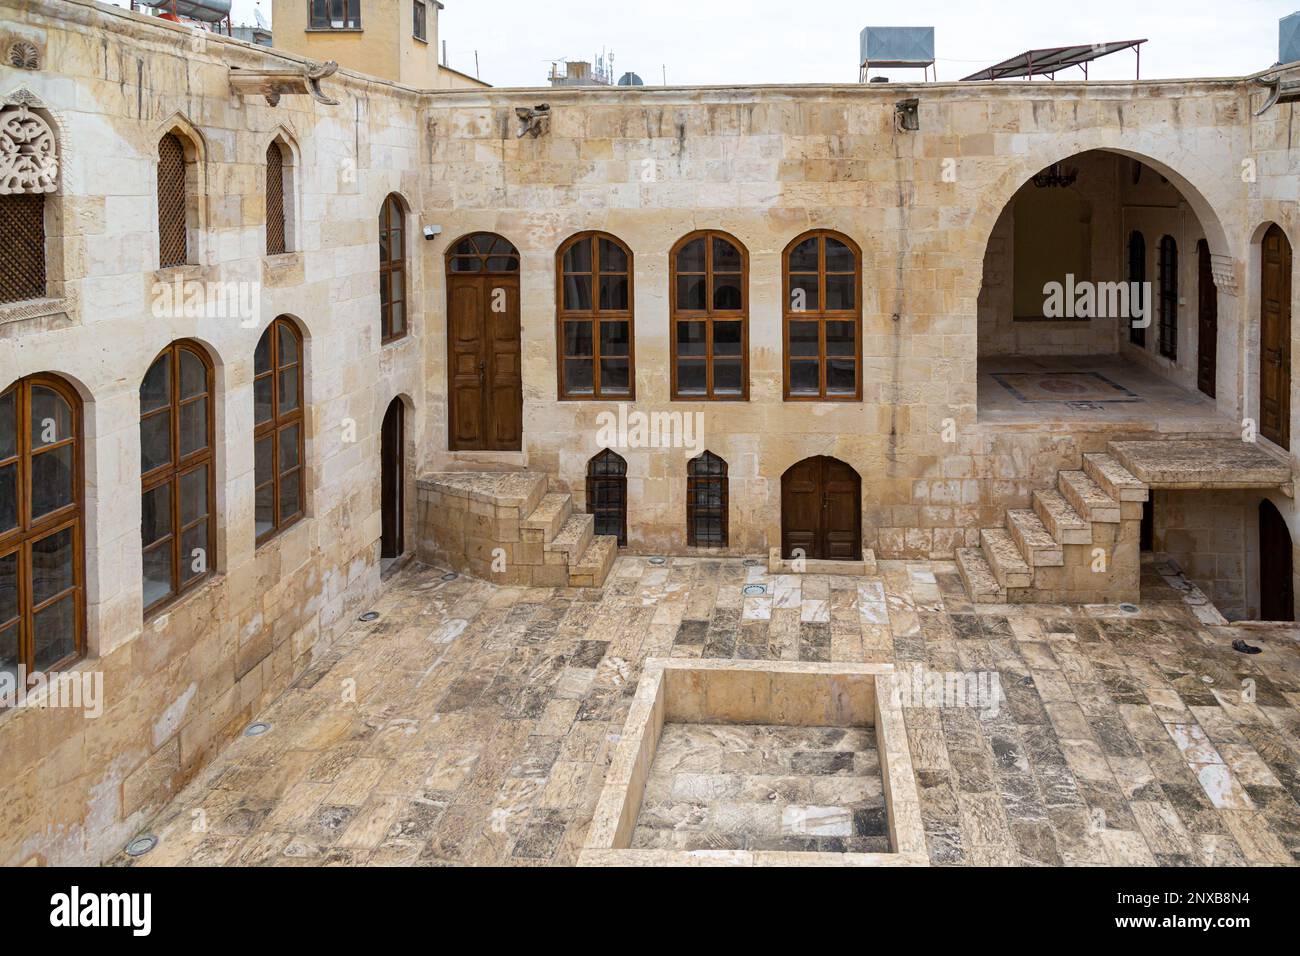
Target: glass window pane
839,257
727,293
264,510
397,283
52,567
577,338
194,426
577,258
55,633
803,294
262,461
289,447
502,264
691,338
840,292
9,423
395,235
52,485
157,574
397,319
840,338
194,553
612,257
8,588
194,494
155,514
155,441
691,293
262,399
803,257
288,390
841,378
156,389
804,378
726,376
726,257
614,375
727,338
466,247
613,293
194,375
465,264
803,338
290,495
9,497
383,240
9,654
577,293
51,417
692,377
288,346
690,258
614,339
262,356
579,376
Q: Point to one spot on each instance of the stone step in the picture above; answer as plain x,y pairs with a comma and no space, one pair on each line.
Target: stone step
573,540
1087,498
591,571
976,574
1009,566
1113,478
547,518
1060,519
1033,539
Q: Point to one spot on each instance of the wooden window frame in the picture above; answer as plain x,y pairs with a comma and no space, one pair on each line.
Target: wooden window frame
693,482
821,315
179,467
1137,273
393,207
20,539
596,316
323,23
1167,268
420,24
594,480
278,423
708,316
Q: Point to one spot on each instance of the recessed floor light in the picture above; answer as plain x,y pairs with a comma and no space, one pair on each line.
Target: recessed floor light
141,845
753,590
369,616
1129,608
256,729
449,576
658,560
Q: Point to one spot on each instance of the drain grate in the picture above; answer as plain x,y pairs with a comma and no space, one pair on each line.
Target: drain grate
753,590
141,845
256,729
753,563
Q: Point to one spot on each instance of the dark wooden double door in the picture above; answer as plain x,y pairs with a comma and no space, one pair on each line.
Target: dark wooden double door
821,510
1275,338
485,379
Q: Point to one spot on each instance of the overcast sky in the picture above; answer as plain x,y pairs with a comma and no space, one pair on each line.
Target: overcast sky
809,41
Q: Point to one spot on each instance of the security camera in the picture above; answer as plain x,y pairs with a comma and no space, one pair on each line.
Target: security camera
431,231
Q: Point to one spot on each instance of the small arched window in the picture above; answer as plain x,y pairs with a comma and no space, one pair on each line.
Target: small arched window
823,318
173,203
1137,277
42,587
392,270
279,442
607,494
709,308
706,501
595,325
177,527
28,139
1168,297
278,193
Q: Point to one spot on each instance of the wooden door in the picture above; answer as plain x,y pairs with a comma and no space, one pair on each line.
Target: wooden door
821,510
1275,338
1276,597
1207,311
391,475
484,374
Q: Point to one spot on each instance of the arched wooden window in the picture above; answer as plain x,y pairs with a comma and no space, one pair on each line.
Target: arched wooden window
278,433
1169,297
277,240
1137,276
823,318
709,308
42,577
607,494
173,212
392,270
594,310
706,501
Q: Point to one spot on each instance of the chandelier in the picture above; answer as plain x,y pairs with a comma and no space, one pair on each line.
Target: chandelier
1055,175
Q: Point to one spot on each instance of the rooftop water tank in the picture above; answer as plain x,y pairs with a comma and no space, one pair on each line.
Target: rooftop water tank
1288,39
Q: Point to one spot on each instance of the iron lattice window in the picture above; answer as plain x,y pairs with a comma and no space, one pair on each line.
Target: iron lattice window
42,592
336,14
275,220
607,494
709,308
706,502
392,271
279,441
595,319
420,14
177,526
22,268
1169,298
1137,277
823,318
173,244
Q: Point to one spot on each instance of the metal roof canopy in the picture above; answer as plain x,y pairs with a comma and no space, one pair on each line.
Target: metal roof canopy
1049,60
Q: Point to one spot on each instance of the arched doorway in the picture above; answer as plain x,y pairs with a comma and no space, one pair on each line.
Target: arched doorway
485,392
1207,312
392,472
1275,337
821,510
1276,594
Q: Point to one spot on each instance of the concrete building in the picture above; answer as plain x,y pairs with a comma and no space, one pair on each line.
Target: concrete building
267,332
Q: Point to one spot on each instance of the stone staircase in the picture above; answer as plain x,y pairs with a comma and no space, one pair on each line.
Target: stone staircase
509,528
1078,544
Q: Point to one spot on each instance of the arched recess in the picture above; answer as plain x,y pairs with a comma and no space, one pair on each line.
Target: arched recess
179,154
34,151
392,481
1276,583
607,493
821,510
282,161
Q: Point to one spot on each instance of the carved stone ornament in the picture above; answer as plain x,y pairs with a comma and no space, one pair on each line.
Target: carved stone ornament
24,56
29,156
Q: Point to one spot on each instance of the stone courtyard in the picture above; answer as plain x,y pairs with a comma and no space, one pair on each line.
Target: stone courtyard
471,724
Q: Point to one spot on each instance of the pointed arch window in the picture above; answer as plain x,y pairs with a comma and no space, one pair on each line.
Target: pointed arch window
607,494
595,324
173,203
277,220
279,440
706,501
709,308
823,318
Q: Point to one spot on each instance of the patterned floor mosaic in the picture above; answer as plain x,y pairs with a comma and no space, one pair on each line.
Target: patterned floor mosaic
473,725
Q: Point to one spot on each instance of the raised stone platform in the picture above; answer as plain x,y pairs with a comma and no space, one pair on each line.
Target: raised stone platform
1202,463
